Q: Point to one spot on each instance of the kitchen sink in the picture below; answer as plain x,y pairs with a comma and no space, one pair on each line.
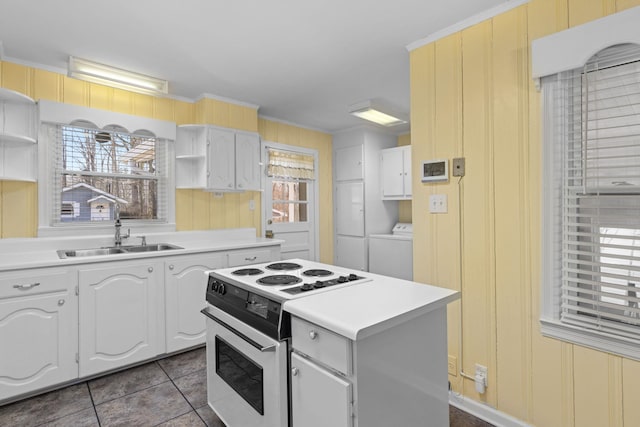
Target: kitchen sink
151,248
77,253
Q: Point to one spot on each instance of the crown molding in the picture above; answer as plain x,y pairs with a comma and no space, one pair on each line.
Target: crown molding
466,23
227,100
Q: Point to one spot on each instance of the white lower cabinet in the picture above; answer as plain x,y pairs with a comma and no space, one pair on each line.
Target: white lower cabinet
185,291
319,398
38,330
120,319
321,380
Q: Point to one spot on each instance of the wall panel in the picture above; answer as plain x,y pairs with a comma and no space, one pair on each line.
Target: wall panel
513,286
478,316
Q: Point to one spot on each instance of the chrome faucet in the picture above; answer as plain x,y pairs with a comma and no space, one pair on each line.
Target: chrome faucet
118,224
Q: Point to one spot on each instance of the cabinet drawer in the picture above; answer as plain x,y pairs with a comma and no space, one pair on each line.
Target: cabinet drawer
321,344
15,284
249,257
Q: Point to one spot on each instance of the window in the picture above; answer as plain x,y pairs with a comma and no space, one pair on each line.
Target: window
592,224
290,202
290,173
98,169
92,166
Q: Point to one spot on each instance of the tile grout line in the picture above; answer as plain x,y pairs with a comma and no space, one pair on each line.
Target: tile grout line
195,410
95,410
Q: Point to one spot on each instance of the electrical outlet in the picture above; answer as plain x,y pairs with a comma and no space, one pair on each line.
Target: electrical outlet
438,203
452,366
481,378
252,205
458,166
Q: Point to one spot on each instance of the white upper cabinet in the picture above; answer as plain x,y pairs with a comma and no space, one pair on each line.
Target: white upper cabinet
248,161
349,163
217,159
18,135
395,176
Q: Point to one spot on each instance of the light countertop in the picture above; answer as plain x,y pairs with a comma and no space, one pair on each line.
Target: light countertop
365,309
40,252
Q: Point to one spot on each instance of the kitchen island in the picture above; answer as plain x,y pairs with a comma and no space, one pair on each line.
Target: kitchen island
372,354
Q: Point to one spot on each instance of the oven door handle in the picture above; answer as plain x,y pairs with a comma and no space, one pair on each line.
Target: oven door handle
238,333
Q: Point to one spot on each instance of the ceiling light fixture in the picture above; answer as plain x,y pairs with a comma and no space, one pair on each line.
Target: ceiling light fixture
116,77
368,110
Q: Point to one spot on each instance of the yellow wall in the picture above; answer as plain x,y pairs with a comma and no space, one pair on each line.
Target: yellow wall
472,96
195,209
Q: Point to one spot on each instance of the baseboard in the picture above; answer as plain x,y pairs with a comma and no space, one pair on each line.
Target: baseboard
484,411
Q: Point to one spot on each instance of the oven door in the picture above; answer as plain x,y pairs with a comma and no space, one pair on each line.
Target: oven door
246,373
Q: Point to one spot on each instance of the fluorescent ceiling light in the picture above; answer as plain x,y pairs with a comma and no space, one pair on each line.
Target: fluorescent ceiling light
116,77
367,110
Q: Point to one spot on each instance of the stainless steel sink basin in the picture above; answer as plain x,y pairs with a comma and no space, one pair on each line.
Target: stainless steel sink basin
76,253
151,248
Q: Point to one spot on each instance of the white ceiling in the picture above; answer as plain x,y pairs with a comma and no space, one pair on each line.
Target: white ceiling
301,61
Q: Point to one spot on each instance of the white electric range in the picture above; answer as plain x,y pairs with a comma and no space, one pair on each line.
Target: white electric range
248,335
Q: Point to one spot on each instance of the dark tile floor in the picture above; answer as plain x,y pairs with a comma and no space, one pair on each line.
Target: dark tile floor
171,392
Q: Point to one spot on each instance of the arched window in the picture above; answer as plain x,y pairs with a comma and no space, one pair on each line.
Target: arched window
92,162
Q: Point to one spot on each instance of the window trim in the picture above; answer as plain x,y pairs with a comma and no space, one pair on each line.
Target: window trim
66,114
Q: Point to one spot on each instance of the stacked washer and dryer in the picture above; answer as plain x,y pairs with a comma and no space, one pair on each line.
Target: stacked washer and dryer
392,254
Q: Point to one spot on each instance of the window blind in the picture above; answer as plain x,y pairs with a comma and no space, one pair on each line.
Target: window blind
598,116
111,166
285,164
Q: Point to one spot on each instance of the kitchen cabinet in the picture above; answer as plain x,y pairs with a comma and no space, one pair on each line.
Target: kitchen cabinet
185,289
395,176
120,317
38,329
319,397
359,208
18,135
218,159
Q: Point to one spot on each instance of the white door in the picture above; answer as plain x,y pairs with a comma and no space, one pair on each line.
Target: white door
290,210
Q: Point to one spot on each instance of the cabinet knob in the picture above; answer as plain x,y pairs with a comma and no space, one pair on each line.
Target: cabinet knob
150,269
253,258
239,185
60,302
295,372
313,335
170,266
230,185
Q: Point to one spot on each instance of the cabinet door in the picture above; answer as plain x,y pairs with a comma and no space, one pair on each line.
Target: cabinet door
350,209
38,330
185,293
392,173
406,161
349,163
351,252
318,397
119,316
248,162
221,159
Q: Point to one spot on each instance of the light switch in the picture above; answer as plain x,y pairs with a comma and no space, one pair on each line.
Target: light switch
438,203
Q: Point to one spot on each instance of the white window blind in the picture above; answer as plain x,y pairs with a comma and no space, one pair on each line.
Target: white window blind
596,132
95,169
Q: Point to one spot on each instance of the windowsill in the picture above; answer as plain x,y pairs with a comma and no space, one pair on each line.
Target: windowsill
589,338
108,227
